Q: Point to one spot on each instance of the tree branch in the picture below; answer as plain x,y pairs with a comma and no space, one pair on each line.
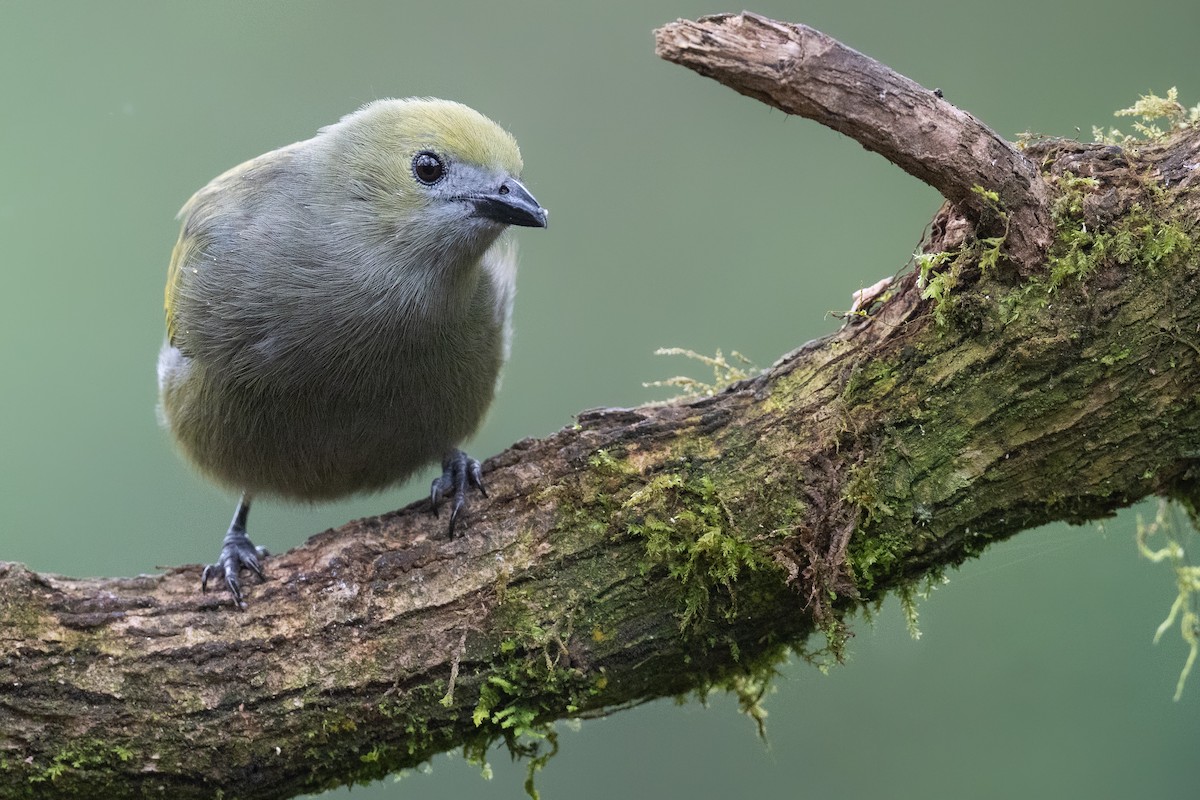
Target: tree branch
802,71
650,551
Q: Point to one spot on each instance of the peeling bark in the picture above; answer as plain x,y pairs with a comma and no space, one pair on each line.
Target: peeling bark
650,551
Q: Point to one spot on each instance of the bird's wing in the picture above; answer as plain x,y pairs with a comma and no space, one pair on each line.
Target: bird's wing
185,250
197,215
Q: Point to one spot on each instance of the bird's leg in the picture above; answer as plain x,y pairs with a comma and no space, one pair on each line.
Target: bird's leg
237,553
459,471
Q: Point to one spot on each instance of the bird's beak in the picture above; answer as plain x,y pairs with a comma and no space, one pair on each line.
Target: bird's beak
511,204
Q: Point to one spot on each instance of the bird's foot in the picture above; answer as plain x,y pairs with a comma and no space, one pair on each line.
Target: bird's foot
459,472
237,553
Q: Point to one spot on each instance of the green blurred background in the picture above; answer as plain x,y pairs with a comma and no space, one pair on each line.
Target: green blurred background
683,214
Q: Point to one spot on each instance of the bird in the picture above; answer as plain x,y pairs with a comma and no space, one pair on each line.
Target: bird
338,311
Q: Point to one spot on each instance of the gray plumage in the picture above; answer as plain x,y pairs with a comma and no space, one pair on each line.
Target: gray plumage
335,321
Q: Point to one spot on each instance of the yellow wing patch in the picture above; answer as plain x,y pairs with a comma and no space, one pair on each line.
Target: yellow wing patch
183,253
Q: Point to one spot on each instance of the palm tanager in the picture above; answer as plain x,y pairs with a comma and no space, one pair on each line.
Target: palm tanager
338,311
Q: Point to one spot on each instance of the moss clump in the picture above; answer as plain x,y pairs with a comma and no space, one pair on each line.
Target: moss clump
1150,109
940,274
891,520
344,750
875,378
750,683
73,772
586,507
688,530
684,522
1142,237
530,684
724,372
1187,582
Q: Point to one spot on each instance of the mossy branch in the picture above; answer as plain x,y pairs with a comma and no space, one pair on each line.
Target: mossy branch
658,550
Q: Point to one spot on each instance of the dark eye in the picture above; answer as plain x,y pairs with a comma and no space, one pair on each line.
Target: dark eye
428,168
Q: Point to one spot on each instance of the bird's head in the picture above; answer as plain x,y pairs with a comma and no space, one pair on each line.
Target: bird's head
432,170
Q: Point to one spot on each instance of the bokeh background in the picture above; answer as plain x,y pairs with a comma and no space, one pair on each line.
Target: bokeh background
683,215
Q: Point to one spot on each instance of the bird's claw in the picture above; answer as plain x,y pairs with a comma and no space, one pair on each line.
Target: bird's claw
459,472
237,553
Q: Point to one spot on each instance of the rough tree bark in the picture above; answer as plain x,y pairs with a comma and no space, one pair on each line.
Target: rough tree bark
1040,365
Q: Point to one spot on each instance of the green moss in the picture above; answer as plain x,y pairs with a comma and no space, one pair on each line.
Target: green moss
77,771
689,531
1187,581
1072,189
19,618
910,497
724,373
357,750
892,524
872,379
587,505
1144,236
937,280
941,274
686,528
1150,109
863,489
1115,355
912,592
749,683
530,683
1140,238
716,562
604,463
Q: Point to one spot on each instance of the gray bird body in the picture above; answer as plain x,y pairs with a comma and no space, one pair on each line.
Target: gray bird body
334,324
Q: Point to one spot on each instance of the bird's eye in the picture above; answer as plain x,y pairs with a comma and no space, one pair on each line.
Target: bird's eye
428,168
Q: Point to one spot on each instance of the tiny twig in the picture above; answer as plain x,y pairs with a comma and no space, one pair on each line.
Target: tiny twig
448,700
